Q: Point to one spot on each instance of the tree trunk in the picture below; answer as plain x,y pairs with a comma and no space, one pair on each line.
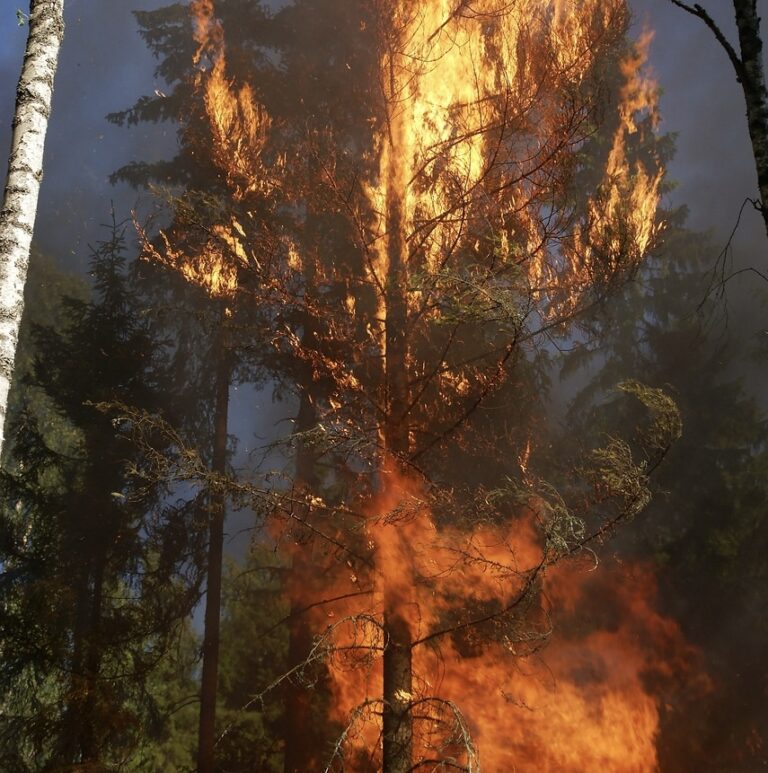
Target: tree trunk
398,722
298,733
299,749
77,744
210,675
396,374
752,79
397,678
25,171
89,747
68,743
302,737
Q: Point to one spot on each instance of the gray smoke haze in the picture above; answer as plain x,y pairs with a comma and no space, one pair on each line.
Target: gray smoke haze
703,105
104,65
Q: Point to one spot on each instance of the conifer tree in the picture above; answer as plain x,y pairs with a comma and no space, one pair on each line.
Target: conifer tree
706,534
396,333
103,565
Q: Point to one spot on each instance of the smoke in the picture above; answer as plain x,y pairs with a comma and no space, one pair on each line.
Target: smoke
103,65
713,169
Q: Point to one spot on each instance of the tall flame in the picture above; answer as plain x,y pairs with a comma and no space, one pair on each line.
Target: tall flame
622,216
496,697
239,127
482,125
486,107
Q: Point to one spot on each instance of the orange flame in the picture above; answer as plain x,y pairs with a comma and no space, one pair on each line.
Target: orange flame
239,123
476,140
494,697
239,129
481,129
214,264
622,216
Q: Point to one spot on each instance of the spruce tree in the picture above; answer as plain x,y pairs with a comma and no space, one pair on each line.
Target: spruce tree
97,568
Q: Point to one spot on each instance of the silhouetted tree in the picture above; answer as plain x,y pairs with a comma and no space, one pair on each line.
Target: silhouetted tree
748,66
104,565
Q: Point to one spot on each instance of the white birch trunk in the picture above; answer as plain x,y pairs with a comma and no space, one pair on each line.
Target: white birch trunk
25,171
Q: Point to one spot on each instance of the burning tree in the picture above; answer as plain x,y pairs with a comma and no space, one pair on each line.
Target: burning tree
210,251
474,241
498,182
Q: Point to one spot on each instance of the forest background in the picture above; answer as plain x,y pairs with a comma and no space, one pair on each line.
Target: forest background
708,557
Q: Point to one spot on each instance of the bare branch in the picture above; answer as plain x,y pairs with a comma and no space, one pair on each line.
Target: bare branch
700,13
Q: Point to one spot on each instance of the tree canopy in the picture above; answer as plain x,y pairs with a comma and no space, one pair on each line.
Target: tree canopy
512,468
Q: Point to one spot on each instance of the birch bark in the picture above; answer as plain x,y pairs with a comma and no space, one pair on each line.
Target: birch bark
25,171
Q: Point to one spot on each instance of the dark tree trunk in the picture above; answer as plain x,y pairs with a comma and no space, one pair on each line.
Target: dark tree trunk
748,65
69,747
217,508
396,421
397,719
302,737
89,747
300,754
78,743
398,722
752,77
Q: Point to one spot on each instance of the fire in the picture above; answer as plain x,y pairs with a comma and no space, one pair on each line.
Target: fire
485,107
239,128
477,136
215,263
493,696
622,217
